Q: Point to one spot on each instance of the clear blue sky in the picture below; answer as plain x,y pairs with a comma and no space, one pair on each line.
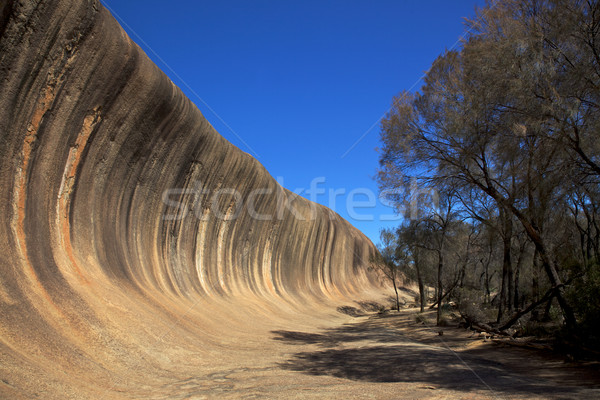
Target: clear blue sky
297,83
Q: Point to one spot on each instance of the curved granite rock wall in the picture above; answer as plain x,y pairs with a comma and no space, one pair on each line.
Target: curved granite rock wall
119,266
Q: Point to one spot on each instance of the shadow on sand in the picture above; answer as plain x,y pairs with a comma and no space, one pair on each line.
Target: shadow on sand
376,350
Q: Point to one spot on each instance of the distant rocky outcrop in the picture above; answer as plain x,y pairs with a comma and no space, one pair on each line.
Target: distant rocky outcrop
119,267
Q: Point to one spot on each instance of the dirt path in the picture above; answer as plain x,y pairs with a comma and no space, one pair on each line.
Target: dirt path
393,355
387,356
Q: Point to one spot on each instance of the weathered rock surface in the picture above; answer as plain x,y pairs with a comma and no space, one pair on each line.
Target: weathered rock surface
101,296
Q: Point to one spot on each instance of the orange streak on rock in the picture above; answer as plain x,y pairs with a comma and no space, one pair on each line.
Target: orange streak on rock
43,105
67,183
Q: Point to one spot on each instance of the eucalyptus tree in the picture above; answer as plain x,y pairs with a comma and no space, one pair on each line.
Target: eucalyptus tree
512,115
412,233
391,259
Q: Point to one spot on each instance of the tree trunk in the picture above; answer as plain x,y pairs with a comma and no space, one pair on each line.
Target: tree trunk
548,295
486,267
486,271
439,286
535,235
555,281
444,295
396,290
546,316
506,292
420,282
535,284
517,275
422,295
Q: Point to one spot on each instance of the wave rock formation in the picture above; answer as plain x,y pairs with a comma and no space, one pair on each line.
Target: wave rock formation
122,275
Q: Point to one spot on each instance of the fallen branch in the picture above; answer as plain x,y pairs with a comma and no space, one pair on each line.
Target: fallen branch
547,296
502,329
481,326
431,307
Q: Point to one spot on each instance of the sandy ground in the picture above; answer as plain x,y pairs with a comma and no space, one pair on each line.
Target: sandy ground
333,356
392,356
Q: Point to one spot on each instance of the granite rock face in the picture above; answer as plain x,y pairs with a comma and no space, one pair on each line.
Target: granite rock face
136,243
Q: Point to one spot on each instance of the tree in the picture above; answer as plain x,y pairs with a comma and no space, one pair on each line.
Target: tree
438,224
388,261
412,236
510,122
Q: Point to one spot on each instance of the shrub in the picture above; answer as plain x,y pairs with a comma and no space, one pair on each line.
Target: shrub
582,294
470,305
